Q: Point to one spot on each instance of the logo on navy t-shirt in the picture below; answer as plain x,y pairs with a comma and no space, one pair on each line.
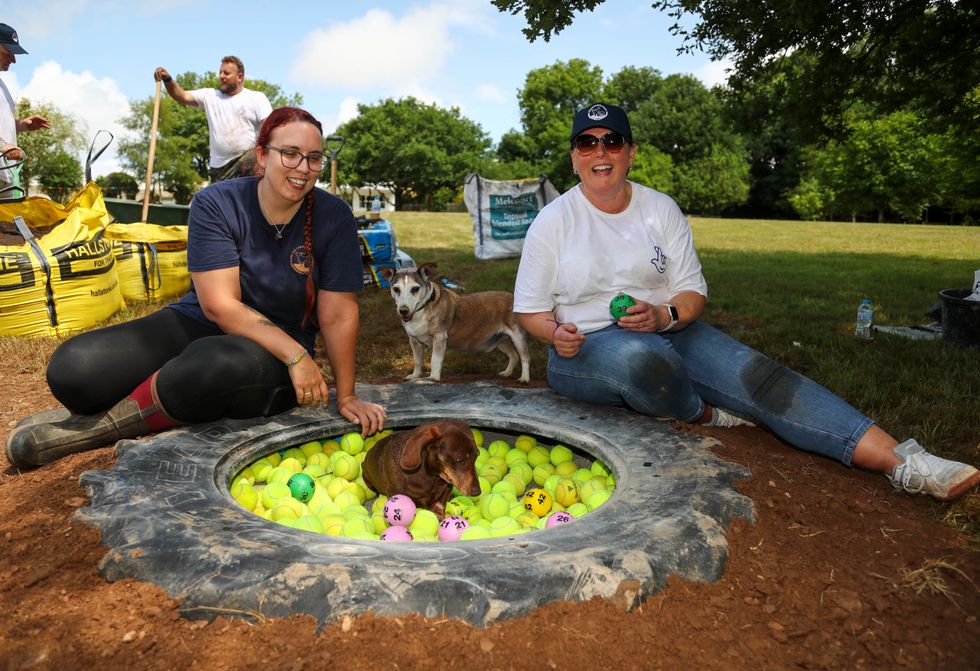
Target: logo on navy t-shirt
298,261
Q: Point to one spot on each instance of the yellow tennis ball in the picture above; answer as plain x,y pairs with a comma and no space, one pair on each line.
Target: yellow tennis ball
280,474
498,448
309,523
319,459
333,524
598,498
491,473
515,455
288,508
352,443
335,486
527,519
331,446
247,472
582,475
523,471
295,453
542,472
525,443
355,511
314,471
566,469
504,526
611,481
378,506
261,469
293,464
517,481
599,468
560,454
537,501
345,500
345,466
576,510
550,484
494,505
245,494
566,493
516,509
485,486
274,492
590,487
274,458
477,436
287,522
426,523
379,522
356,525
538,455
472,514
458,504
474,533
310,448
505,487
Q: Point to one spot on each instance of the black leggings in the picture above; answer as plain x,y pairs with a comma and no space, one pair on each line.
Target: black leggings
204,374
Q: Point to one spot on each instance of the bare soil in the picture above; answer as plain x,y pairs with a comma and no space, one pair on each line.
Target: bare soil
838,572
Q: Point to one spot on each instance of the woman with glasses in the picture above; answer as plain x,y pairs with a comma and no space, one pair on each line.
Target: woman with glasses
609,236
274,261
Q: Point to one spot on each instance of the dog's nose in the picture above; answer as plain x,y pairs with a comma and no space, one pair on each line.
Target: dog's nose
403,311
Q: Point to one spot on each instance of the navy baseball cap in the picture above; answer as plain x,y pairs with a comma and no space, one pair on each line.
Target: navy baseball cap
602,115
8,39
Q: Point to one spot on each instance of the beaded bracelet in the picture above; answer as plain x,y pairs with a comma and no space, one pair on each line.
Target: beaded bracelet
296,359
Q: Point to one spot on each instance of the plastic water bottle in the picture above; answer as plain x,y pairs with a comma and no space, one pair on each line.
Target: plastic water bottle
865,317
376,207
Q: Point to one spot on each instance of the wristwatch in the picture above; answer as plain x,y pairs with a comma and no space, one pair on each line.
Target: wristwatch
674,317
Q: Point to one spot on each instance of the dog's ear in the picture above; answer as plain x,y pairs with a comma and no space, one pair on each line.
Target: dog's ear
386,273
412,451
428,270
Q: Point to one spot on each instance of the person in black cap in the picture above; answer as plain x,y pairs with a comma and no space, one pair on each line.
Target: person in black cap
609,236
9,124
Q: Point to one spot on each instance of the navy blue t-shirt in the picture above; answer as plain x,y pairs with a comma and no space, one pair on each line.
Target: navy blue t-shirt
227,229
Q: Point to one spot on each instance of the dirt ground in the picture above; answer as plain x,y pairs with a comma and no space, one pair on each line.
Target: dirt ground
838,572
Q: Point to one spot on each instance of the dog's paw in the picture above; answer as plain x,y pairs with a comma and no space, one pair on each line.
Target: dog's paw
524,380
413,376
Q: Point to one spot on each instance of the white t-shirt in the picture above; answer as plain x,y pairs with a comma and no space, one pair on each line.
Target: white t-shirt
8,124
576,258
233,121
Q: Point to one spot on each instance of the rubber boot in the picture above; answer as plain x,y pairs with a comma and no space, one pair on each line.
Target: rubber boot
32,445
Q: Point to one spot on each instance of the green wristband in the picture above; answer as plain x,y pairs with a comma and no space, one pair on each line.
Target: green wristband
296,359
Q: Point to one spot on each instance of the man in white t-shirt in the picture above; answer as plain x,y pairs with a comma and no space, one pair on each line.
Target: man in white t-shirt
10,125
235,115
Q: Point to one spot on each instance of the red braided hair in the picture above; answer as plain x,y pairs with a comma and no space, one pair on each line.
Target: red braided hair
308,246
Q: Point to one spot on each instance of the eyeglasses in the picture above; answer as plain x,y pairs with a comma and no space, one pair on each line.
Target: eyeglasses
291,158
586,144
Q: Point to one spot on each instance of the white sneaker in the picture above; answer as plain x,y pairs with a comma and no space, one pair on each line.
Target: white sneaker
725,419
924,473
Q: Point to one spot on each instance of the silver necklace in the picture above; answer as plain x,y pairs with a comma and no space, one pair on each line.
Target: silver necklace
280,228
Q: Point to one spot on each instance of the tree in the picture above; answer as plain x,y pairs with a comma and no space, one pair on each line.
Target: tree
890,52
629,87
411,147
118,185
181,159
50,160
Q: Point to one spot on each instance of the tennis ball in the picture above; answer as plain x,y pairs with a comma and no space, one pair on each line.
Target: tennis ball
274,492
538,455
527,519
498,448
379,523
319,459
517,481
474,533
245,494
310,448
261,469
357,490
477,436
287,522
335,487
355,511
504,526
550,484
537,501
333,524
320,503
352,443
590,487
523,471
358,524
560,454
426,523
611,481
458,504
485,486
472,514
280,474
599,468
516,509
499,463
493,506
492,474
310,523
396,535
505,487
566,493
480,522
301,486
619,304
452,527
294,453
541,473
247,473
365,487
525,443
331,446
400,510
273,458
314,471
378,506
576,510
345,466
557,519
582,475
515,455
345,500
566,469
598,499
288,508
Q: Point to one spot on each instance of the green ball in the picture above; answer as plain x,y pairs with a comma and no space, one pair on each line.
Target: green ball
619,304
301,487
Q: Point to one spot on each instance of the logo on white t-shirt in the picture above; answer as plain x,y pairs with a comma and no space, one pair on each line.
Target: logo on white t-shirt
659,261
598,112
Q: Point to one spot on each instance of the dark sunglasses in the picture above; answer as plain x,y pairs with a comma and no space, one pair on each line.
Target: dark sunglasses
585,144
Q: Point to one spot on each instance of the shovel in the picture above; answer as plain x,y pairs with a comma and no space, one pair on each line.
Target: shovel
153,148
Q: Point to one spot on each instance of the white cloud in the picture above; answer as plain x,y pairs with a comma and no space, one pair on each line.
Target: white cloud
490,93
714,72
99,103
380,50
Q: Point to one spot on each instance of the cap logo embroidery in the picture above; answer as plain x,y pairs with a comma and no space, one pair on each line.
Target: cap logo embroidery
598,112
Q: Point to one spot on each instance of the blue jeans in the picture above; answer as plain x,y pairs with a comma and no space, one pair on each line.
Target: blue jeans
674,374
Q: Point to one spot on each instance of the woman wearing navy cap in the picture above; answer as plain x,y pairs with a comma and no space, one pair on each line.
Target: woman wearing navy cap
607,236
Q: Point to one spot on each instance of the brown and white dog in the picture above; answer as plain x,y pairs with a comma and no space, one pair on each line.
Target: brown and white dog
440,318
425,464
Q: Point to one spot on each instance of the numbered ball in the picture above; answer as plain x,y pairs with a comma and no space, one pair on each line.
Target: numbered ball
619,304
397,535
557,519
301,486
452,527
537,501
399,510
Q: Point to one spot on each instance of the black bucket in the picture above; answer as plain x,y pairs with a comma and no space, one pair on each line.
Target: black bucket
961,318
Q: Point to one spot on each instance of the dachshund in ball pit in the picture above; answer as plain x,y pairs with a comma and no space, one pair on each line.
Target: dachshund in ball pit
425,464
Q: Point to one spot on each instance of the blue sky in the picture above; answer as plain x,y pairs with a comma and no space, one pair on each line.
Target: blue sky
91,57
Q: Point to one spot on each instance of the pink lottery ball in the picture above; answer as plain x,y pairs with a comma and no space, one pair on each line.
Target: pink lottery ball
558,518
399,510
452,527
397,535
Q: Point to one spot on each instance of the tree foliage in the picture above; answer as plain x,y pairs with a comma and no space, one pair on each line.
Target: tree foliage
420,151
51,152
182,153
118,185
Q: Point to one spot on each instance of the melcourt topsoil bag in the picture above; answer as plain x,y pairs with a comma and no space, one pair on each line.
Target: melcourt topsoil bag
151,260
57,273
502,212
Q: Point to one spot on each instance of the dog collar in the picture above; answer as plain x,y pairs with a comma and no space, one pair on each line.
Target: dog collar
432,295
